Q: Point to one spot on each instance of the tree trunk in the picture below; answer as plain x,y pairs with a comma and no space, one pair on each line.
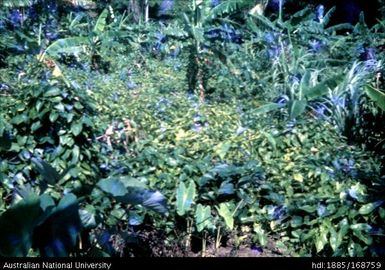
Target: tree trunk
135,9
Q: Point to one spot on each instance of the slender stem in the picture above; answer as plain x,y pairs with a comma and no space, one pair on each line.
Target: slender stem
218,240
280,10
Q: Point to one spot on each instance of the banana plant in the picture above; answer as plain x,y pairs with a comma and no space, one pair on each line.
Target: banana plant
376,95
200,17
80,44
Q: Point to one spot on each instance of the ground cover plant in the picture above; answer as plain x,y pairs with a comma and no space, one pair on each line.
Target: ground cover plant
190,128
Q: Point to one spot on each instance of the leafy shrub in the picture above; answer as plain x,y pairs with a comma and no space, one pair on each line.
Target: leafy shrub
53,121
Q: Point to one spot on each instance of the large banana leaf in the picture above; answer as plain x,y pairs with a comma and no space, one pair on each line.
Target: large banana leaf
100,24
67,45
376,95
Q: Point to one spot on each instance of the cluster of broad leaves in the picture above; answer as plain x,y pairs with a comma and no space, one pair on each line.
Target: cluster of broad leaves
101,143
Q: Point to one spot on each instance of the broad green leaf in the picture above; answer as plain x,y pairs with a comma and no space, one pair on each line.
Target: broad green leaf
52,92
296,108
308,208
185,197
322,239
130,191
222,149
155,201
17,224
376,95
322,88
267,108
271,139
57,235
296,221
224,211
335,240
87,217
298,177
100,24
35,126
361,227
226,189
113,186
368,208
50,175
261,234
363,236
75,154
68,45
76,128
53,116
202,217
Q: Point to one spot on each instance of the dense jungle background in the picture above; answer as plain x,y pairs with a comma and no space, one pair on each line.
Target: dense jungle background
143,128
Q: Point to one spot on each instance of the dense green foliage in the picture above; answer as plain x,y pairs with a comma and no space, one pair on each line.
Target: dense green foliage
214,126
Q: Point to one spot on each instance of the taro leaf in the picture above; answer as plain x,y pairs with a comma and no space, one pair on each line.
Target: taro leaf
156,202
267,108
131,191
87,217
47,204
377,96
368,208
184,197
5,141
224,211
113,186
296,108
134,219
226,189
202,217
57,235
49,174
17,224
